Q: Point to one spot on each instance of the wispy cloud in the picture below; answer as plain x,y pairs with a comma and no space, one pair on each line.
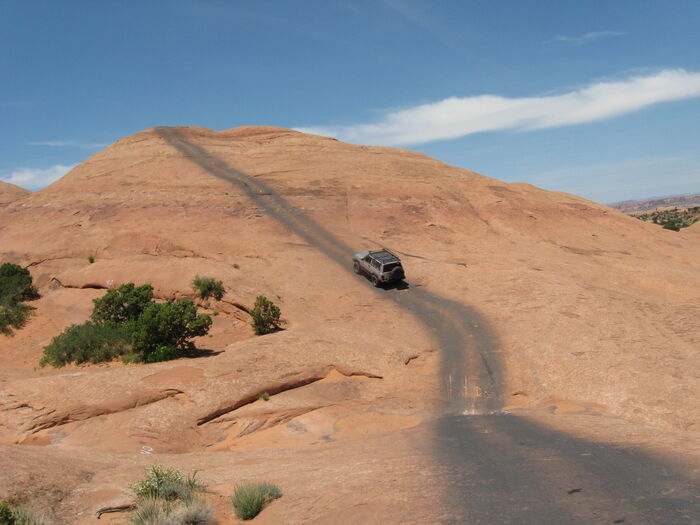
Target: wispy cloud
68,144
36,178
585,38
456,117
414,14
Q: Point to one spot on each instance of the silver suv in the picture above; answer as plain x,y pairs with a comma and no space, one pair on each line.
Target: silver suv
380,266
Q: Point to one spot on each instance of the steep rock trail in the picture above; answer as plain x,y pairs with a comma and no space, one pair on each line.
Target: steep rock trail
496,467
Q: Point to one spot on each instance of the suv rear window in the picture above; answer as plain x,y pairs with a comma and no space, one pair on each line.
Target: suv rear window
389,267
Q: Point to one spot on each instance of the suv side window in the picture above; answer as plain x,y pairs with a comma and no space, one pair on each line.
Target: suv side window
367,258
375,264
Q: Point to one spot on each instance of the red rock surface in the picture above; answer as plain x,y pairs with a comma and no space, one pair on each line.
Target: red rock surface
10,193
593,312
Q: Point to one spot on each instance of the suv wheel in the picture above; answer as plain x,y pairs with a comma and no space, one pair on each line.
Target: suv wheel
356,267
375,280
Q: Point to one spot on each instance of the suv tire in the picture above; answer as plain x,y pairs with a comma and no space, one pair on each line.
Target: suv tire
356,267
375,281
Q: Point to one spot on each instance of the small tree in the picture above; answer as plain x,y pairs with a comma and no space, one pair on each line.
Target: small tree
16,283
125,304
266,316
163,331
15,287
207,287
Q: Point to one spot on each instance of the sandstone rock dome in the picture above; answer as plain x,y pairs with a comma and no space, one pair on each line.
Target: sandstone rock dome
586,309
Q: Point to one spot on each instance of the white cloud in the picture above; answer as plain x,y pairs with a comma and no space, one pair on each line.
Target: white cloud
586,38
68,144
456,117
36,178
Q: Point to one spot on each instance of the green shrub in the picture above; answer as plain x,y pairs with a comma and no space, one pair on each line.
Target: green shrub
18,516
266,316
193,512
264,396
167,497
171,324
6,517
15,287
16,283
152,511
122,305
87,342
91,259
167,484
249,499
127,322
12,315
207,287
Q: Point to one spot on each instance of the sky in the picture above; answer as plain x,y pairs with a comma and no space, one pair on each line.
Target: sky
596,98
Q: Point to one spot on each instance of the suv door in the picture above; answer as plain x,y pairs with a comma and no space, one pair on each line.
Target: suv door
366,263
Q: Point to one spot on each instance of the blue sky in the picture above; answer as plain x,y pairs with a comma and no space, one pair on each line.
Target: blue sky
597,98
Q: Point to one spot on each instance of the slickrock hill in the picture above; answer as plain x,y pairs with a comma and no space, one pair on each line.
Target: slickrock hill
10,192
585,310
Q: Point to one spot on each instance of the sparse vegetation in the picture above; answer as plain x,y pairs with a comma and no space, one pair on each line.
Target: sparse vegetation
264,396
10,515
673,219
167,497
91,259
266,316
249,499
127,322
207,287
15,288
167,484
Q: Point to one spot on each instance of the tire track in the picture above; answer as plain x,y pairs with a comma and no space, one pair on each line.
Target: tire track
495,466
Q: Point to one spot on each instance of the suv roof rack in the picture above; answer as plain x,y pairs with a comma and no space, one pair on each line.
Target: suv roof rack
384,256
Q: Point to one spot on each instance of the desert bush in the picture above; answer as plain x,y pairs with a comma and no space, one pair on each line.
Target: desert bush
266,316
16,283
167,484
122,305
249,499
15,287
12,315
264,396
91,259
207,287
10,515
6,517
167,497
163,330
193,512
88,342
152,511
127,322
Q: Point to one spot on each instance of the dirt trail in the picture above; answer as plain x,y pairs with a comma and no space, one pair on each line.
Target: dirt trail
497,467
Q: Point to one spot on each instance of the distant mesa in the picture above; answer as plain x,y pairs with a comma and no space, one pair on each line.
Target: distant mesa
679,201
